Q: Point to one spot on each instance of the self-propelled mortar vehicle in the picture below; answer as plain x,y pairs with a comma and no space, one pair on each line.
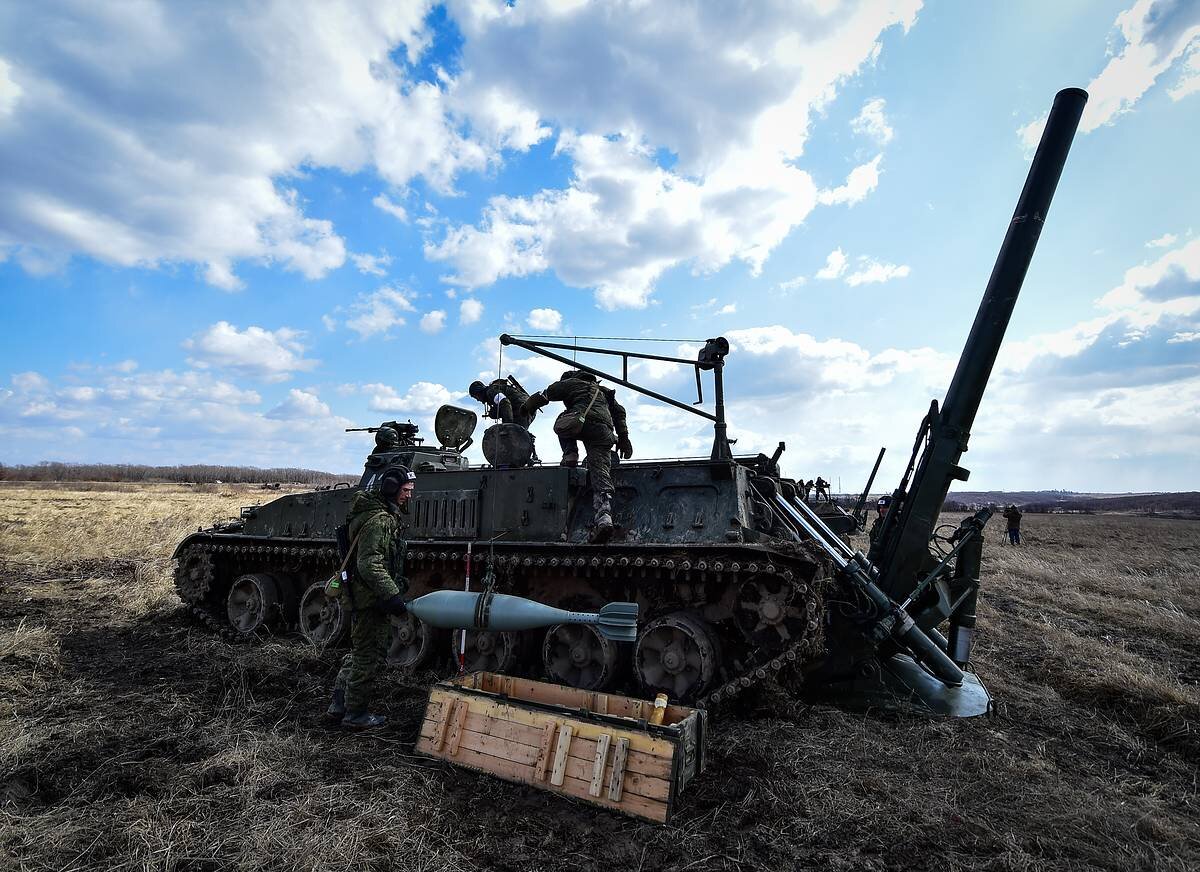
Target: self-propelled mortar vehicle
736,576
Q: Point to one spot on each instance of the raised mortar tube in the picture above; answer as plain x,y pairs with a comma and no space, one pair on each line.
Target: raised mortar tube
464,610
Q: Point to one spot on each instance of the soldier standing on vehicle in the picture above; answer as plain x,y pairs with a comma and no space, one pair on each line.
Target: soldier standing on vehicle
1013,516
375,592
594,416
881,508
822,489
806,488
505,400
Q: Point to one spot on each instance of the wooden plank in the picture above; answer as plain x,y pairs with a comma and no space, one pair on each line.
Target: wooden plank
534,736
447,713
639,806
582,769
639,741
459,726
616,784
598,765
543,757
559,772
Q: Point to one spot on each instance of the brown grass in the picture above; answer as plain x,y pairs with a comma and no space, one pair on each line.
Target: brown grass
132,739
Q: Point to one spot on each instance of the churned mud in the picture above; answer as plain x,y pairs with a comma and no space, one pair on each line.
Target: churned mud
132,738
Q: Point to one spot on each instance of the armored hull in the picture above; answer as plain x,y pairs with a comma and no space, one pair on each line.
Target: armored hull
723,601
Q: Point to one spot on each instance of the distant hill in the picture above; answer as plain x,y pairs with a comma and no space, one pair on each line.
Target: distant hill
1184,503
194,473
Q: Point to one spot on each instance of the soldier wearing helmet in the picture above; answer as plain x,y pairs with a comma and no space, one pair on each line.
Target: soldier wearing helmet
376,592
505,401
594,417
387,440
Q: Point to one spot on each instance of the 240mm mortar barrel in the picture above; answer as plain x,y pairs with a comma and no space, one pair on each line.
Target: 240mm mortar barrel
463,610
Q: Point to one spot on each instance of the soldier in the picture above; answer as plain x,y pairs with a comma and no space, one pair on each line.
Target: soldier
601,415
1013,516
806,488
505,400
881,508
376,591
822,489
387,440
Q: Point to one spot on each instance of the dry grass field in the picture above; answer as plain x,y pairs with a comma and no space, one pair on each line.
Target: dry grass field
132,739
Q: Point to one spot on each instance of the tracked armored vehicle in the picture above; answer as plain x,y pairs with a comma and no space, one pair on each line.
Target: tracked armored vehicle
736,576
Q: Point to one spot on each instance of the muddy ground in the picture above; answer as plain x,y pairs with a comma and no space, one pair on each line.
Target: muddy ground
131,738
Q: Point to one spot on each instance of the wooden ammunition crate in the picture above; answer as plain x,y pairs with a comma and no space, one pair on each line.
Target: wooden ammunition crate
598,747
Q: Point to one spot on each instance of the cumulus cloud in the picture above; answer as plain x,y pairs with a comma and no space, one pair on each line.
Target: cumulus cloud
168,417
728,92
470,310
793,284
433,322
1156,35
372,264
1164,241
862,181
869,271
194,168
835,265
420,398
872,122
549,320
269,355
379,311
300,405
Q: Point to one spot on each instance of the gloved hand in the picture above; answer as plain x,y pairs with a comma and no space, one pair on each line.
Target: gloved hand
394,605
535,402
624,447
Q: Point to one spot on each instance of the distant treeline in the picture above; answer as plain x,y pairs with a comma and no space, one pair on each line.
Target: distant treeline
195,473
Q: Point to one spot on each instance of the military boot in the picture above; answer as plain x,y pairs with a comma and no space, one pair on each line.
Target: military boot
337,706
602,525
360,721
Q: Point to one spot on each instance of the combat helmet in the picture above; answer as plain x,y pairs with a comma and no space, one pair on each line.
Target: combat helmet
386,439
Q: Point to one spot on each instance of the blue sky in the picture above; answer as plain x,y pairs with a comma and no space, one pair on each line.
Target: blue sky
229,231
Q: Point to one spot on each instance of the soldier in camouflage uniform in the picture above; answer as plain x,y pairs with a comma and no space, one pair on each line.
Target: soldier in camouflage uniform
505,401
376,592
881,508
604,424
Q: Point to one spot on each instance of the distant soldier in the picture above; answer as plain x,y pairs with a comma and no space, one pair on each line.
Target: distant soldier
805,488
376,592
1013,516
822,489
881,508
505,400
594,416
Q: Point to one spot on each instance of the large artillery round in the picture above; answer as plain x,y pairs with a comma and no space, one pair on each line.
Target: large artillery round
735,575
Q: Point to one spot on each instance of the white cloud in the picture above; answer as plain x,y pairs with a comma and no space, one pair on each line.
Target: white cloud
1156,34
379,311
1189,77
10,91
372,264
384,202
548,320
470,310
793,284
1164,241
869,271
168,417
728,91
872,122
269,355
835,265
300,405
862,181
422,397
433,322
727,309
255,98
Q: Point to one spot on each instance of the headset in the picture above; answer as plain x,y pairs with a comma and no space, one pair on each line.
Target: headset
394,478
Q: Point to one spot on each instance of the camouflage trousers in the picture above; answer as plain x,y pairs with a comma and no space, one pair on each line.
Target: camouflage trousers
370,635
598,460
